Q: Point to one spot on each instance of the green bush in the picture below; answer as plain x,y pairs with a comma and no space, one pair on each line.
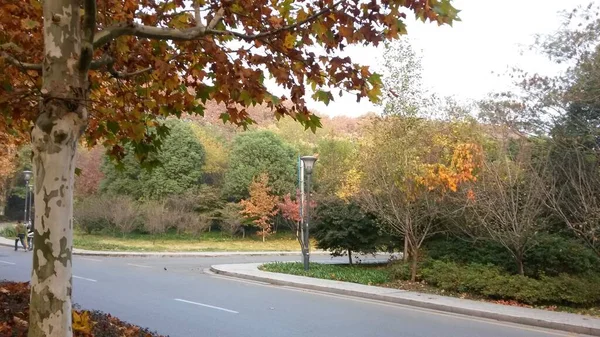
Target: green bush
494,283
551,256
8,232
464,251
554,255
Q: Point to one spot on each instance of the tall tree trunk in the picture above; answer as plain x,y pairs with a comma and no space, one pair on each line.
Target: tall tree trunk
405,252
414,254
350,256
61,121
519,260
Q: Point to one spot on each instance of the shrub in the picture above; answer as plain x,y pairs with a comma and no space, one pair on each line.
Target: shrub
93,214
231,219
493,282
124,214
552,255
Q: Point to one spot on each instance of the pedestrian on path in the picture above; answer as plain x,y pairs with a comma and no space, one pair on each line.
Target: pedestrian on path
21,231
30,236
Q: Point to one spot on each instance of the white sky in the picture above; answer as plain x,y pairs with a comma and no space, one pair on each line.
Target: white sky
465,60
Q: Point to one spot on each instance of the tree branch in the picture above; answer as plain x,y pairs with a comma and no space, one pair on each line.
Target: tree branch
197,14
215,20
89,28
24,66
194,33
109,62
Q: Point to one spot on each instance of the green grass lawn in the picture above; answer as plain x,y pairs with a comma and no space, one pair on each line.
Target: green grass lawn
363,274
172,242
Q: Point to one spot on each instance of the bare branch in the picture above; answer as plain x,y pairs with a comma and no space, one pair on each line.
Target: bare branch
109,62
215,21
89,28
194,33
24,66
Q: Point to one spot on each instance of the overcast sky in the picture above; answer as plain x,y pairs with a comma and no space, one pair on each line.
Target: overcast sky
464,60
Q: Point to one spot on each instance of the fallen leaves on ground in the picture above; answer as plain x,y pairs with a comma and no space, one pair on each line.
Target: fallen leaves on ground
14,317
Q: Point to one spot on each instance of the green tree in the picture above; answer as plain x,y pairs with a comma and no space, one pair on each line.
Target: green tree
217,154
259,152
343,228
180,159
336,158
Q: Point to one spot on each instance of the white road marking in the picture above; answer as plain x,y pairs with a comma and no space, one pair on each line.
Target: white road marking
90,259
6,262
207,306
139,265
84,278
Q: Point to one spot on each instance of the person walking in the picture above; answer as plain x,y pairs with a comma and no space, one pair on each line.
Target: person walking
30,236
21,231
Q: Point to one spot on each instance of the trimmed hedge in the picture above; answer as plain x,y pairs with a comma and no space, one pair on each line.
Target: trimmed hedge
552,255
494,283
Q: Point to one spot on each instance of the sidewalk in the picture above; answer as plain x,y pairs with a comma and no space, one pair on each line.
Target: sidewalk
534,317
77,251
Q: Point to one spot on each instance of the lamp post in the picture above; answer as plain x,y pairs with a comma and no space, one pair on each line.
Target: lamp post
27,175
308,163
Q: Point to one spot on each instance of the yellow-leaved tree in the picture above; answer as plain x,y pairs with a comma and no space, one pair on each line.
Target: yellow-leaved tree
407,167
262,205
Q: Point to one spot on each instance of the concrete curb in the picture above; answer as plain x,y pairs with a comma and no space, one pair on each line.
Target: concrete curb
83,252
533,317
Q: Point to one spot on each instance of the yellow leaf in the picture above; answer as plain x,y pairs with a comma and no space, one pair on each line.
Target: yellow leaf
290,41
82,322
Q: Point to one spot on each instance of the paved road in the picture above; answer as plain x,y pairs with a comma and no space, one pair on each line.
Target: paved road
176,296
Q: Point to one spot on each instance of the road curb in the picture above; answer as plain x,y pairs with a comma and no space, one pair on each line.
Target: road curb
82,252
592,328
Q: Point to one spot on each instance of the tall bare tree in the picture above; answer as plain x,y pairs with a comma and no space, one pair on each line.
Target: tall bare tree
574,193
508,200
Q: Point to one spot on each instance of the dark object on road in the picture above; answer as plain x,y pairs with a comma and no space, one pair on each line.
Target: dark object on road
165,268
14,317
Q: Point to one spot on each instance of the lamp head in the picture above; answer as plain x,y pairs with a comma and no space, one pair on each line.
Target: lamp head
309,163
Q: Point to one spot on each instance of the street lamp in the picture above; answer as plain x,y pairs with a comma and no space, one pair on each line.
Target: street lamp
27,175
308,163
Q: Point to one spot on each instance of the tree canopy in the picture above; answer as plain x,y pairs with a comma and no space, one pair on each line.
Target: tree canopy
180,161
258,152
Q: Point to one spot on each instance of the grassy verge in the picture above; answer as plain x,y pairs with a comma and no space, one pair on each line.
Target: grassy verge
363,274
391,277
213,241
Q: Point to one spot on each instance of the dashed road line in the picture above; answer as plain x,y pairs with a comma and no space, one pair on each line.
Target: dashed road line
6,262
84,278
138,265
207,306
90,259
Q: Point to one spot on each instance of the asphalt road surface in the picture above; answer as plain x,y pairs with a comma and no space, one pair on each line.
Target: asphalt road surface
178,297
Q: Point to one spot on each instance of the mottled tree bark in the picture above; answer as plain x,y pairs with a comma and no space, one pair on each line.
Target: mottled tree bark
61,121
